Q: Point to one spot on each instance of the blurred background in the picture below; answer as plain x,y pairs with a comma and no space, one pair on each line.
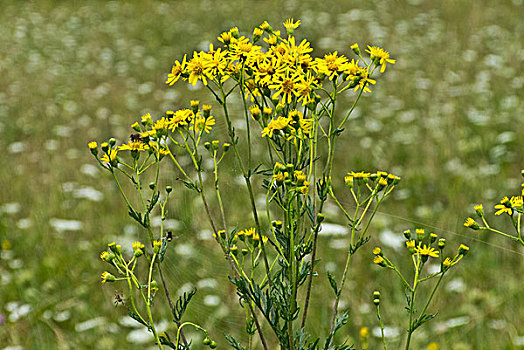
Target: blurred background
446,118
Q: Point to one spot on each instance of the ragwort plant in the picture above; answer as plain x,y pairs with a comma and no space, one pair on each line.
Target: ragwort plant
420,247
509,206
289,102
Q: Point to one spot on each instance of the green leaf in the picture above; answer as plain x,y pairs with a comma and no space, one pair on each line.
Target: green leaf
181,304
333,284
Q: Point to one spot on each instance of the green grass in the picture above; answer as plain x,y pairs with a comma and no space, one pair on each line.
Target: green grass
447,118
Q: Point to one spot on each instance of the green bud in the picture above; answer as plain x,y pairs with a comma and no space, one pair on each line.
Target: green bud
154,285
376,302
407,234
225,147
169,189
441,243
432,237
206,341
376,294
152,186
136,127
105,146
213,344
277,224
215,144
112,141
320,218
207,145
463,249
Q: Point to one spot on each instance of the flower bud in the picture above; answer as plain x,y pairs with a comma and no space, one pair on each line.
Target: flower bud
213,344
377,251
135,126
152,186
112,141
432,237
379,261
154,285
355,49
93,147
266,27
169,189
257,33
225,147
376,294
320,218
215,144
441,243
407,234
107,277
207,110
234,250
278,224
194,106
479,209
234,32
207,145
463,249
157,244
472,224
420,234
104,146
206,341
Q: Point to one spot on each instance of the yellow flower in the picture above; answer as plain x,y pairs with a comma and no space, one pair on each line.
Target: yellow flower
470,223
359,175
381,55
364,332
134,146
202,124
279,124
137,245
364,81
516,202
215,63
157,244
355,48
107,277
331,65
433,346
479,209
411,246
92,145
289,24
110,156
377,251
504,207
286,85
196,69
426,251
179,118
104,255
447,262
176,71
379,260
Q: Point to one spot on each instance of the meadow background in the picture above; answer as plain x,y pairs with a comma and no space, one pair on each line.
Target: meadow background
447,118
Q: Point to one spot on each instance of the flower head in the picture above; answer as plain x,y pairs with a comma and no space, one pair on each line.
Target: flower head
426,251
176,71
380,56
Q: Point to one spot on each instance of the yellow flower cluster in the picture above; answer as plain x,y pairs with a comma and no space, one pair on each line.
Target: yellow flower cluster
283,71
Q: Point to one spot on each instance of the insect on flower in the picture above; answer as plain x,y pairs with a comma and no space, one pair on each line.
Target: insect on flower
135,138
